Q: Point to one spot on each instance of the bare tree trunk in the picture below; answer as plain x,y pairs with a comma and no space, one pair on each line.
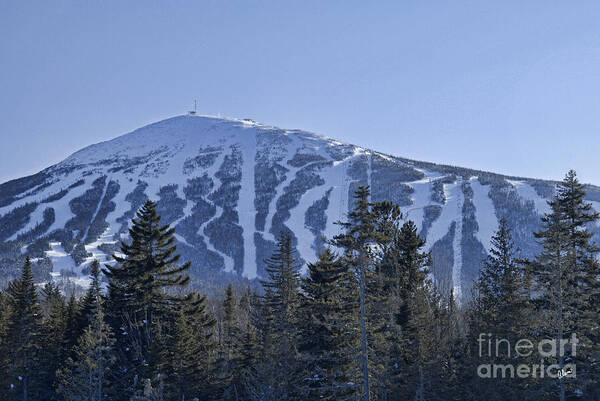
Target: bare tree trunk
560,330
363,331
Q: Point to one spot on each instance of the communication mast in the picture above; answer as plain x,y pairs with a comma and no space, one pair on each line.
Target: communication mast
193,112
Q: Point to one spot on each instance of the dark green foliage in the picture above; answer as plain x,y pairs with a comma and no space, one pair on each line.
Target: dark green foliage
5,319
305,179
369,229
279,327
84,207
566,276
145,304
502,307
169,206
206,158
136,198
84,374
53,351
473,252
302,159
98,225
88,303
315,218
10,190
366,311
430,214
328,331
23,338
14,220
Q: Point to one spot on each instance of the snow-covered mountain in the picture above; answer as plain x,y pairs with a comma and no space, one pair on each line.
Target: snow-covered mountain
230,186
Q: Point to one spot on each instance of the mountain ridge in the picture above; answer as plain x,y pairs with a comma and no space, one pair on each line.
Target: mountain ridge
229,186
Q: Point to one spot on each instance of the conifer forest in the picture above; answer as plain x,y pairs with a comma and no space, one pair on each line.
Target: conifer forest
366,321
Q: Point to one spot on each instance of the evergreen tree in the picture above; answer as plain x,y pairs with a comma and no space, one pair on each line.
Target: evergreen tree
412,302
86,305
230,372
327,331
280,306
85,376
23,339
566,277
250,352
52,338
5,317
190,348
142,297
502,310
365,237
357,241
72,330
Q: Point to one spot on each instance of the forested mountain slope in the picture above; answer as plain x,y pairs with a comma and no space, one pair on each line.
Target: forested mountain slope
230,186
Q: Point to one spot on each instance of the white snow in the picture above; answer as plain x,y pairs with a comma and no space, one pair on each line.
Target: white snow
338,198
451,213
61,260
485,213
163,148
297,217
36,217
126,186
440,226
370,170
280,189
457,267
97,254
87,229
246,209
527,192
421,198
62,209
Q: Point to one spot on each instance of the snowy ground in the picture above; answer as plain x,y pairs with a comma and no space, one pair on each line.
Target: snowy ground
156,154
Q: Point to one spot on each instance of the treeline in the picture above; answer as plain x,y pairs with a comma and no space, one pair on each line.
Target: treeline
366,321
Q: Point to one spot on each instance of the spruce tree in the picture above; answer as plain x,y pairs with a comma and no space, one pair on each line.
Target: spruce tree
404,273
86,304
5,316
357,242
502,309
190,353
72,331
327,331
566,277
142,297
280,306
366,235
85,375
250,350
230,372
52,338
23,337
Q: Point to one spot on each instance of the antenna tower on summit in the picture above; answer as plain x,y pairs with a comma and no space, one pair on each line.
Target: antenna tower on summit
193,112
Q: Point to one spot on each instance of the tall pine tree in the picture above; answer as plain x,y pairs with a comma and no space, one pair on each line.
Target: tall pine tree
23,337
85,374
280,306
502,308
328,335
143,297
566,277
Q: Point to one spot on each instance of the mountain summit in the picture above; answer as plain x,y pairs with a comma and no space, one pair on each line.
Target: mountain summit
230,186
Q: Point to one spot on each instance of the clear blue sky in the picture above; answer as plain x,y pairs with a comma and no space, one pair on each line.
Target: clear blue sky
512,87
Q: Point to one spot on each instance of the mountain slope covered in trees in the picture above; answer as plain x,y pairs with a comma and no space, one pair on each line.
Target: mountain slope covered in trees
229,187
364,323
